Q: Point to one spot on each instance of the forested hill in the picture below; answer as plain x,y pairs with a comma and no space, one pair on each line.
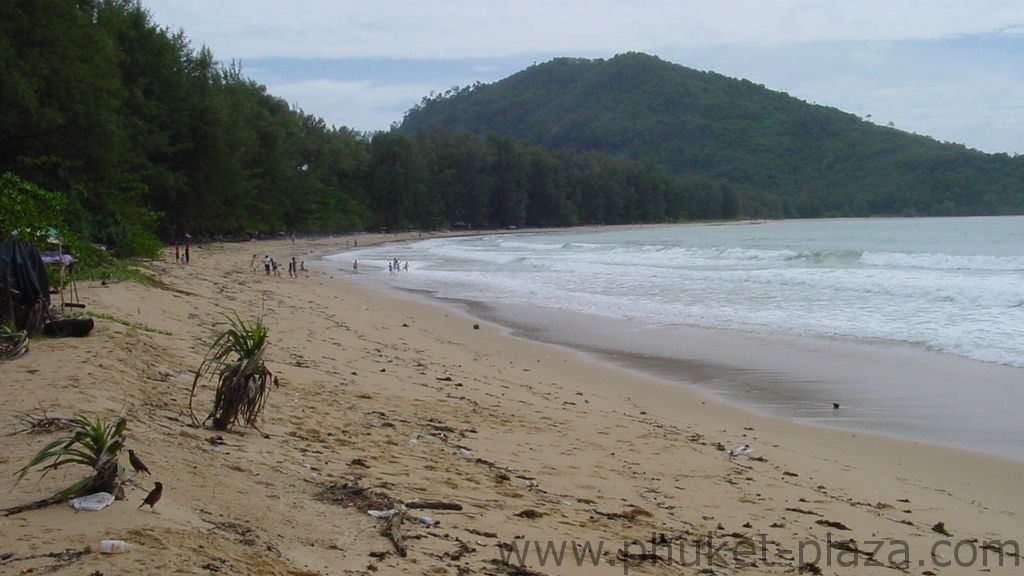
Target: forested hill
785,156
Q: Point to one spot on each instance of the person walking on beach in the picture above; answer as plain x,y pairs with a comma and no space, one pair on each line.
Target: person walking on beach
177,254
252,265
266,263
188,258
355,266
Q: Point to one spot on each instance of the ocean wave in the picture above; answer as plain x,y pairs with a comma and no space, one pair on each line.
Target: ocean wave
895,281
943,261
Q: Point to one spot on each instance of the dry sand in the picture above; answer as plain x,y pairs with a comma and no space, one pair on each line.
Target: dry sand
538,444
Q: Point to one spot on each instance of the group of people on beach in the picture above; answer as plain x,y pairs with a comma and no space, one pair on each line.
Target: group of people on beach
271,266
395,266
182,257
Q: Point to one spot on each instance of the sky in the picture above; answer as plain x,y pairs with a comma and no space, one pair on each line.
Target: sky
949,69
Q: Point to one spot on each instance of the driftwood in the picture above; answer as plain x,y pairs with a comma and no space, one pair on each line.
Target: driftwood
37,505
625,556
513,569
433,505
64,558
832,524
392,529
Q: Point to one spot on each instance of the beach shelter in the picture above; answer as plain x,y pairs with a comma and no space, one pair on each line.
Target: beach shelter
24,286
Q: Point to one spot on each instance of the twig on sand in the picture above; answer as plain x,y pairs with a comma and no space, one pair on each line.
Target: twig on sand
433,505
64,558
42,424
514,569
393,529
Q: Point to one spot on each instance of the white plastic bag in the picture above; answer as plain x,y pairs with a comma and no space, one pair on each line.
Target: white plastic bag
93,502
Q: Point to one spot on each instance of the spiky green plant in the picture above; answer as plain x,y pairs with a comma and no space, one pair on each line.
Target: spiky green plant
13,342
95,444
235,360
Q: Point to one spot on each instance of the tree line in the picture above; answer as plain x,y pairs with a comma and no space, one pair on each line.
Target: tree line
145,138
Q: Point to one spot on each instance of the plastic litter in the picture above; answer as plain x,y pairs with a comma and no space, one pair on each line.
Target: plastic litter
382,513
114,546
93,502
426,520
463,453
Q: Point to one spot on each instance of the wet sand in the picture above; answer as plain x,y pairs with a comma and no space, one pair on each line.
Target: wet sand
899,390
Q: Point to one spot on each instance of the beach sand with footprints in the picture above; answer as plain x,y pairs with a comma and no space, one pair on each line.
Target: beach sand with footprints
529,450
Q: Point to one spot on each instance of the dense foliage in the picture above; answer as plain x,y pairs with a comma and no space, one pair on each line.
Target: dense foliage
144,137
784,156
126,135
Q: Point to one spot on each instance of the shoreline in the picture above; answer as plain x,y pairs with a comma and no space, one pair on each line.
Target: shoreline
560,446
901,389
882,388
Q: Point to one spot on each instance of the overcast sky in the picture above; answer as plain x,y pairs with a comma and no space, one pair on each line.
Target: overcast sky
950,69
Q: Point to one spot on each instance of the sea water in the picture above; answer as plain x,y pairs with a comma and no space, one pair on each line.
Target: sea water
940,288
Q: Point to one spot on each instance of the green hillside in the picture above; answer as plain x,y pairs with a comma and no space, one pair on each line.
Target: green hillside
785,156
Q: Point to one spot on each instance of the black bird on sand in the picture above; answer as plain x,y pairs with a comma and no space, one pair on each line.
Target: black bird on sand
137,463
154,496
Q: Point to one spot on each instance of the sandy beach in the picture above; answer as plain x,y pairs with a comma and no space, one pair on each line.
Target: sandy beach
559,463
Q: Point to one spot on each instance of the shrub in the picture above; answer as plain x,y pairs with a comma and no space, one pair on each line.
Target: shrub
93,443
235,359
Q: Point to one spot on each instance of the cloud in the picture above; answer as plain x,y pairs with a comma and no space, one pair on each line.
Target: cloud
369,94
945,68
361,106
490,28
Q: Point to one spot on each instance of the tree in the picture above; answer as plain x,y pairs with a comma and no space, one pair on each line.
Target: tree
29,210
508,178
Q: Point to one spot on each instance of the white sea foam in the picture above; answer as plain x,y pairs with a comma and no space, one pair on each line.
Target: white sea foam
955,285
944,261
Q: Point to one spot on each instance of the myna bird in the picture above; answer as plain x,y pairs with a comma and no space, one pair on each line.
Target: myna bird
137,463
153,497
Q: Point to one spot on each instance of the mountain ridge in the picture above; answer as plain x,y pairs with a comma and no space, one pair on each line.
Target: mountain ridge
791,157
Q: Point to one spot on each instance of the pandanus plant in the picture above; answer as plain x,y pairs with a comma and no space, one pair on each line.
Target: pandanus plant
235,361
95,444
